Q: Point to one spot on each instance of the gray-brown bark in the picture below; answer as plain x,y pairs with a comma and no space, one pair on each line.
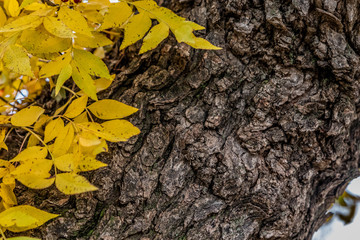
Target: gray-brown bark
251,142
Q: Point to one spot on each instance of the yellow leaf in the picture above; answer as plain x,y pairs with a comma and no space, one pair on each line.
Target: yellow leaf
201,43
103,83
54,67
35,181
35,166
184,34
38,126
4,119
62,108
156,35
102,147
65,162
89,164
100,52
117,15
9,180
76,107
95,129
81,118
63,141
64,75
94,5
163,15
56,27
33,141
90,63
111,109
31,153
96,149
22,23
182,29
44,12
194,26
136,28
17,60
74,20
121,130
26,116
26,3
40,41
98,40
35,6
87,139
23,238
22,218
4,163
70,183
83,80
7,194
3,17
2,138
93,15
12,7
53,129
112,131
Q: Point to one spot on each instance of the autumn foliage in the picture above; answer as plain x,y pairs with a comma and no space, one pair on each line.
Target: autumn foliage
52,42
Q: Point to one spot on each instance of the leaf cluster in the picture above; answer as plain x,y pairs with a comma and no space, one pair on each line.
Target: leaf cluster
50,42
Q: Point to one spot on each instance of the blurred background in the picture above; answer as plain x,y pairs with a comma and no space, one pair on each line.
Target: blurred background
345,223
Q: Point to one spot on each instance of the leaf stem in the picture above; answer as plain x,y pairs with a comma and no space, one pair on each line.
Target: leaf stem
2,234
39,138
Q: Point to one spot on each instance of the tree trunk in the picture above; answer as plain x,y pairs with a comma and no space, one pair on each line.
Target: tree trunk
254,141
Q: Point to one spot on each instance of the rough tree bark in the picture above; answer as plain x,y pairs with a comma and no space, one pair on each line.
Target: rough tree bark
251,142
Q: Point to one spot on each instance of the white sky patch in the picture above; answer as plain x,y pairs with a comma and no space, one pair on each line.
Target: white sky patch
336,229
